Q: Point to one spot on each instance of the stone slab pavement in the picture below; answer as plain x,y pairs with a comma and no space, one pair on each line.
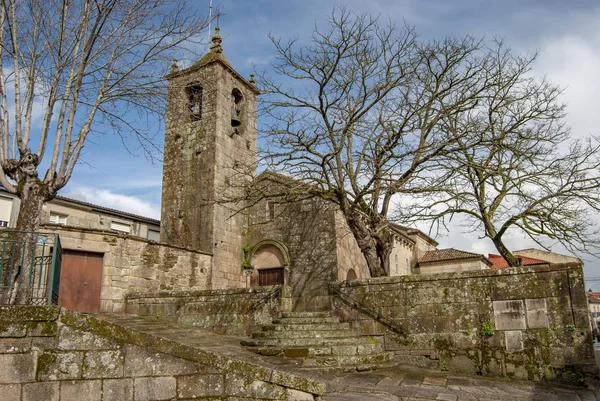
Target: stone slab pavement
402,383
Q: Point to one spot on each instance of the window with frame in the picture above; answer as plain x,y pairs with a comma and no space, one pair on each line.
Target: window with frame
120,227
56,218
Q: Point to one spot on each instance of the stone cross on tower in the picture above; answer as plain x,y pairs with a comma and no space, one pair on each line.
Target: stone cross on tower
208,159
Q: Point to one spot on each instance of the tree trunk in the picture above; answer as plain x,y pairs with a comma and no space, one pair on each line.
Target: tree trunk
17,282
506,253
375,254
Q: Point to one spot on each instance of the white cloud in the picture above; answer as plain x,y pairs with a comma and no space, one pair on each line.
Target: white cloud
106,198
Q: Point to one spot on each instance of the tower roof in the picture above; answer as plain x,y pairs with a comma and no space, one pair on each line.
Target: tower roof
214,55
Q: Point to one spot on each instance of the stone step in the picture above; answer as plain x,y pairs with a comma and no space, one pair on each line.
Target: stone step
344,361
306,314
306,342
319,351
306,320
281,334
307,326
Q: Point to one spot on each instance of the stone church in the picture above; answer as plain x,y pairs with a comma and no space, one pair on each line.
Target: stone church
209,166
213,202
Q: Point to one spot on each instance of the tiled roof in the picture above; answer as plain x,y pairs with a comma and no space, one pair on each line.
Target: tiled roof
440,255
498,262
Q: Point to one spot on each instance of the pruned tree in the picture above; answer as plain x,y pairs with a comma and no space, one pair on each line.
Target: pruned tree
516,166
356,114
69,66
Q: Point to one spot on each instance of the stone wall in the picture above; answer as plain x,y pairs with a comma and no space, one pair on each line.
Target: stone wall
235,311
133,264
43,356
521,323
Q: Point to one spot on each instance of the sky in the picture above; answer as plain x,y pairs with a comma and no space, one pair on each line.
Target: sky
566,35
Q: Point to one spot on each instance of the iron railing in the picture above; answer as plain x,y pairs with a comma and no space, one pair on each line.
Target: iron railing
29,267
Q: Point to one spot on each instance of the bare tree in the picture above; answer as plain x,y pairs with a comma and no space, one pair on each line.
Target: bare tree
356,115
516,167
79,63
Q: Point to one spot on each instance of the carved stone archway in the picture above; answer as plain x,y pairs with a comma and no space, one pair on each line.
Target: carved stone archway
270,260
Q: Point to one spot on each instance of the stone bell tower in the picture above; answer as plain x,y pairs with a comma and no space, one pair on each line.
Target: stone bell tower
209,157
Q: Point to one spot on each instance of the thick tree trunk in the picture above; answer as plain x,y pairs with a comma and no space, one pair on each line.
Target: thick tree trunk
375,253
506,253
17,280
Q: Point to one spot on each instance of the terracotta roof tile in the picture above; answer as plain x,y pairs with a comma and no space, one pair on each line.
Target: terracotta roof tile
440,255
498,262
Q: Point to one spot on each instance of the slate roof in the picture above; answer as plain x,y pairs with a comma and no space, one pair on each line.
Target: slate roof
498,262
440,255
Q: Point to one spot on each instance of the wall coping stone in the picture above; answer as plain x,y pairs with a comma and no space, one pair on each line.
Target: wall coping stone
28,313
189,294
512,271
59,227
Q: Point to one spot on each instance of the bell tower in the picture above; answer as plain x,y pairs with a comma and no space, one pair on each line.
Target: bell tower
209,157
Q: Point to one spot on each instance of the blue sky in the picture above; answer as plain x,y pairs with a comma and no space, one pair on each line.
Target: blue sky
566,34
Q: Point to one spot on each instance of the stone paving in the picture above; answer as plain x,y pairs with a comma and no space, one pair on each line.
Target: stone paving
407,383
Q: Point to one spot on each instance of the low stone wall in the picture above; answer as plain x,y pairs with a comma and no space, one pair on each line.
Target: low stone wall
518,323
133,264
235,311
43,356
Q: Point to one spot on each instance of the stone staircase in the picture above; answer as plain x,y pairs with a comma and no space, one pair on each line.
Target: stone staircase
318,340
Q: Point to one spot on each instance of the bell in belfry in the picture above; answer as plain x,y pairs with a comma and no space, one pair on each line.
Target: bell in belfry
235,120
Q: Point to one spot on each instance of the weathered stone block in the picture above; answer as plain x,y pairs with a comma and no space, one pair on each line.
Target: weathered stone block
43,329
73,339
17,368
12,392
154,388
117,390
537,313
88,390
141,361
201,385
13,330
295,395
103,364
15,345
509,315
47,391
52,365
513,340
462,364
239,386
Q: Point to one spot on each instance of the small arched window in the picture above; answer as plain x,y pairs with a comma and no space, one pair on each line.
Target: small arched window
194,101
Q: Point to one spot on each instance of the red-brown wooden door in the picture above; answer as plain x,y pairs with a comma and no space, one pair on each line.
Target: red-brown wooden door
270,276
80,281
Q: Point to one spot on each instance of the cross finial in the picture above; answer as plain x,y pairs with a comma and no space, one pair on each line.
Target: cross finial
216,39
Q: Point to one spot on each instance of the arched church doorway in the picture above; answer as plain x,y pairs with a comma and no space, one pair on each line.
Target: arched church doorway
270,264
351,275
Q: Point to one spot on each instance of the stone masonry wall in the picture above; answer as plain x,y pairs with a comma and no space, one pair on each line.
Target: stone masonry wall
133,264
42,358
307,228
234,312
518,323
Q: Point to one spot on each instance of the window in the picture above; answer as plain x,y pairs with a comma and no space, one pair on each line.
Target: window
194,98
270,210
154,235
56,218
124,228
